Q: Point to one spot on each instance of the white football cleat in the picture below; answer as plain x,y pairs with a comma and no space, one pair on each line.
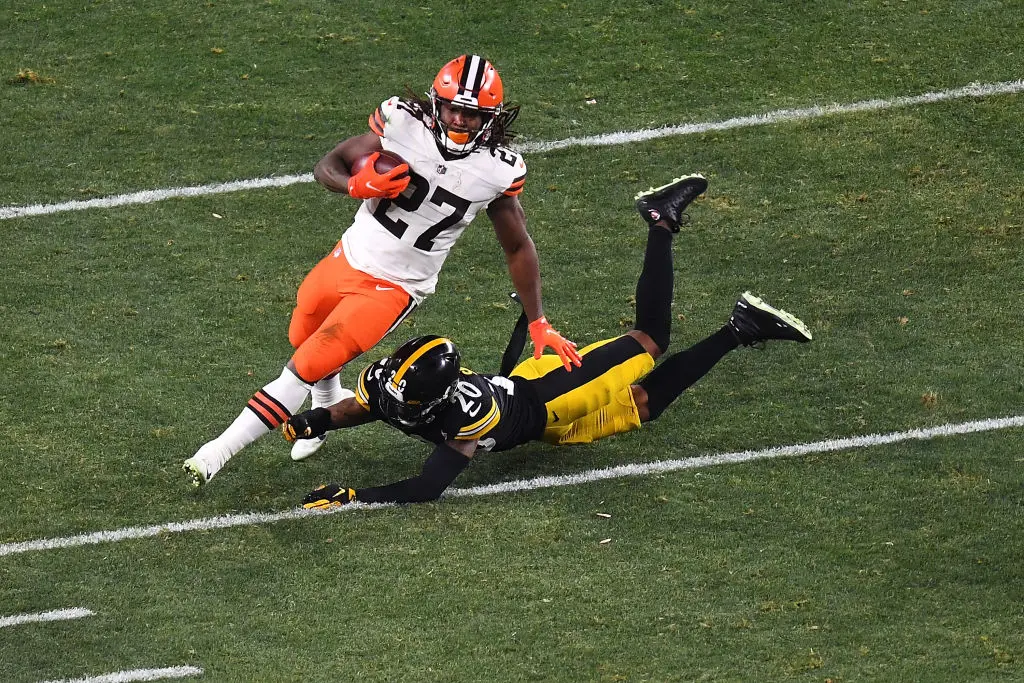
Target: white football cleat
195,469
303,448
207,461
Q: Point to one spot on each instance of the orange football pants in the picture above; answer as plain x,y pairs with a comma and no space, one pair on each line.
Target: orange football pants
340,313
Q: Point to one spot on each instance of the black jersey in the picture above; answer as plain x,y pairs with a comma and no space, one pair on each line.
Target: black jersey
499,412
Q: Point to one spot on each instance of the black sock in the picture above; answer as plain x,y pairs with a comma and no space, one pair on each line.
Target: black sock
681,370
654,288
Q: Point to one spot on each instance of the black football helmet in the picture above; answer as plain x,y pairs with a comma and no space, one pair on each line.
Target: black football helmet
419,380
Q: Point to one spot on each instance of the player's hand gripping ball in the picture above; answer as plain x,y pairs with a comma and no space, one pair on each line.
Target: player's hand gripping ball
380,174
385,161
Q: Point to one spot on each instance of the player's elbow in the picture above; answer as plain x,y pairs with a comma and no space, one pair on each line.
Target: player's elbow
521,250
429,490
318,172
328,174
425,497
418,492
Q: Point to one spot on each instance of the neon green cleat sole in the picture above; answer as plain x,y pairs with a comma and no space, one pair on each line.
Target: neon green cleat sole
194,472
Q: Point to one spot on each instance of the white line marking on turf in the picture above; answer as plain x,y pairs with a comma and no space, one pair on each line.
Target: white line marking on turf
150,196
52,615
137,675
639,469
782,116
779,116
129,533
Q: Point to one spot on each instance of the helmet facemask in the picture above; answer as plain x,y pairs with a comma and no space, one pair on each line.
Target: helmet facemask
411,412
457,142
471,83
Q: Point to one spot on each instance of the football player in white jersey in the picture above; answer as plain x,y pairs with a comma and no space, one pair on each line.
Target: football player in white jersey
423,390
388,260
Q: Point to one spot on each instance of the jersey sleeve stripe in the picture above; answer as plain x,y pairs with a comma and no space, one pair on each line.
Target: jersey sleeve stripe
483,425
516,187
377,123
362,397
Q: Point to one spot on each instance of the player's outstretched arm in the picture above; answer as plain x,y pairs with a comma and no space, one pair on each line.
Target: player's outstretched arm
544,335
509,219
333,171
524,268
439,471
310,424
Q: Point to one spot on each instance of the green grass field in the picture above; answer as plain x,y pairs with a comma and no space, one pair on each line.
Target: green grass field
132,335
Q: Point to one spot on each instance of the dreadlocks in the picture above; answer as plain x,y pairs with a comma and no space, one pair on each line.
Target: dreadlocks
499,135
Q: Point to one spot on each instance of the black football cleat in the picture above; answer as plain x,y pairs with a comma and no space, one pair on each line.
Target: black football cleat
754,321
668,202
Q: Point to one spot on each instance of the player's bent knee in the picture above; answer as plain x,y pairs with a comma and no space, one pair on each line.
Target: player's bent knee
640,400
300,328
323,354
650,345
310,370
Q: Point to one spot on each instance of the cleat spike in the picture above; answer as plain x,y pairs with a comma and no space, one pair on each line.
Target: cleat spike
669,201
754,321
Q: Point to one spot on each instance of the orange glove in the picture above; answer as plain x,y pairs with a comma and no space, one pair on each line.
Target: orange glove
544,335
368,184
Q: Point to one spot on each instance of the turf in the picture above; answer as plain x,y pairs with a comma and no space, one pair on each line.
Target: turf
132,335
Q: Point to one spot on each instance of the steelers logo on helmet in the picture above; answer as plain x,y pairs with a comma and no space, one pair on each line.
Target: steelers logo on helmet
418,380
465,98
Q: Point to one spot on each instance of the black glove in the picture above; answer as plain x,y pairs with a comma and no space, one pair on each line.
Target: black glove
328,496
307,425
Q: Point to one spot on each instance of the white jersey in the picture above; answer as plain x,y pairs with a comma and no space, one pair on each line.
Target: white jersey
406,240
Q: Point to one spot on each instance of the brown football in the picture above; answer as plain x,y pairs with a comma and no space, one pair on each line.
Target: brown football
385,162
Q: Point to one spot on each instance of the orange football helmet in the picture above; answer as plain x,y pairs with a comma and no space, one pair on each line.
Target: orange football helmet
470,82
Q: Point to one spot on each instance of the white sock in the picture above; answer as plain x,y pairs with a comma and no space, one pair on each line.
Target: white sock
327,392
287,392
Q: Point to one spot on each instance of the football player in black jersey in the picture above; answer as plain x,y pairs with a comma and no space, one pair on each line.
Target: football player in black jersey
424,391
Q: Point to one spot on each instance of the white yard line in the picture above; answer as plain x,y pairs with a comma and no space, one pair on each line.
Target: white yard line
634,470
150,196
778,116
783,116
52,615
137,675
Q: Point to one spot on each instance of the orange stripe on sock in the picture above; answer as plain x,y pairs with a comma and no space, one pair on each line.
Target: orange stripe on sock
263,414
272,404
